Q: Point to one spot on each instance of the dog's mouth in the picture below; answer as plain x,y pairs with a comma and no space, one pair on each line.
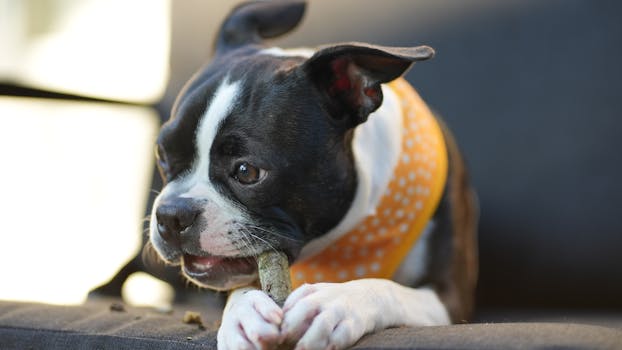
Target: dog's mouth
218,272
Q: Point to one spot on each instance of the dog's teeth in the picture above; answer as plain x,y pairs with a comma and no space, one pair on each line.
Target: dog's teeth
201,267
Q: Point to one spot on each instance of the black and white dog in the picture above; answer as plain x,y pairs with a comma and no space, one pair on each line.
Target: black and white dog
296,150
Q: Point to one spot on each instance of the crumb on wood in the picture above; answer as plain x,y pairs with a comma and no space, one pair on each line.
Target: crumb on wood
191,317
117,307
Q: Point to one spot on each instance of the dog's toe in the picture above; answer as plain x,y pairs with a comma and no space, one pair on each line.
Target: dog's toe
250,321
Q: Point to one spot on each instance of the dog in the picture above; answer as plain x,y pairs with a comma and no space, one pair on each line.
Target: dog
330,157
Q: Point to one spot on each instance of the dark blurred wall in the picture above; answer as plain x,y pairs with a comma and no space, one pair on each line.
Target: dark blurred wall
533,92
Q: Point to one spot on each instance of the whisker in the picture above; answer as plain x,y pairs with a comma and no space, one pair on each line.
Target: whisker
150,257
245,239
252,238
248,232
273,232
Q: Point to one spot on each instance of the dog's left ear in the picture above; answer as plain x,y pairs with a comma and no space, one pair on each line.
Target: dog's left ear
349,75
252,22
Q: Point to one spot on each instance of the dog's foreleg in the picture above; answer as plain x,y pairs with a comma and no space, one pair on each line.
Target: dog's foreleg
336,315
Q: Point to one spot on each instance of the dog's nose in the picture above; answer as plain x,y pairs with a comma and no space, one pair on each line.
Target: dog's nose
173,219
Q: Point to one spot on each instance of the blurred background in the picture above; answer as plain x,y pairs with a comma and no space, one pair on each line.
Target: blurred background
532,90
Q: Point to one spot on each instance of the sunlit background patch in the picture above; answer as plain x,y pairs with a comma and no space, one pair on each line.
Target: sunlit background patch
76,174
111,49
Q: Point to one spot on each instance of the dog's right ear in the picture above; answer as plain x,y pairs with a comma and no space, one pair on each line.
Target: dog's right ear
252,22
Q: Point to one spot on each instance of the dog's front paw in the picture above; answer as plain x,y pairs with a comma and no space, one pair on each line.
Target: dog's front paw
251,320
328,315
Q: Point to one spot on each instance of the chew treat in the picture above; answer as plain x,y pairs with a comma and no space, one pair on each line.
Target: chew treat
273,269
191,317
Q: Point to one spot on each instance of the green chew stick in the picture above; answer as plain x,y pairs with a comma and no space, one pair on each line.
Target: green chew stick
274,278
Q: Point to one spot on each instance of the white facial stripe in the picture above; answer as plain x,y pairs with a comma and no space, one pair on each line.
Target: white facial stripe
197,183
219,211
210,123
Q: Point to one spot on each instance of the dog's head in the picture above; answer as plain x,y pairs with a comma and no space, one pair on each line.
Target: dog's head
256,154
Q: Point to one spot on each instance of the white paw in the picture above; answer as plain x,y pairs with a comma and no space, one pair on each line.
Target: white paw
328,315
251,320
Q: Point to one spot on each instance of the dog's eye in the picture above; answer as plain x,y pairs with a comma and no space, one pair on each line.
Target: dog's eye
247,174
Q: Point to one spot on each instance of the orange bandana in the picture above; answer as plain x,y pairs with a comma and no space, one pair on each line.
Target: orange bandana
376,247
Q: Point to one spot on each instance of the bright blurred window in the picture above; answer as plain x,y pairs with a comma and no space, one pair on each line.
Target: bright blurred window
75,175
110,49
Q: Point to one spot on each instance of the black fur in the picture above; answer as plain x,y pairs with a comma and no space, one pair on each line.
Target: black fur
295,119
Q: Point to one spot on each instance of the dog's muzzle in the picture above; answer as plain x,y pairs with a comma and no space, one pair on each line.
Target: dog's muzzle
179,225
